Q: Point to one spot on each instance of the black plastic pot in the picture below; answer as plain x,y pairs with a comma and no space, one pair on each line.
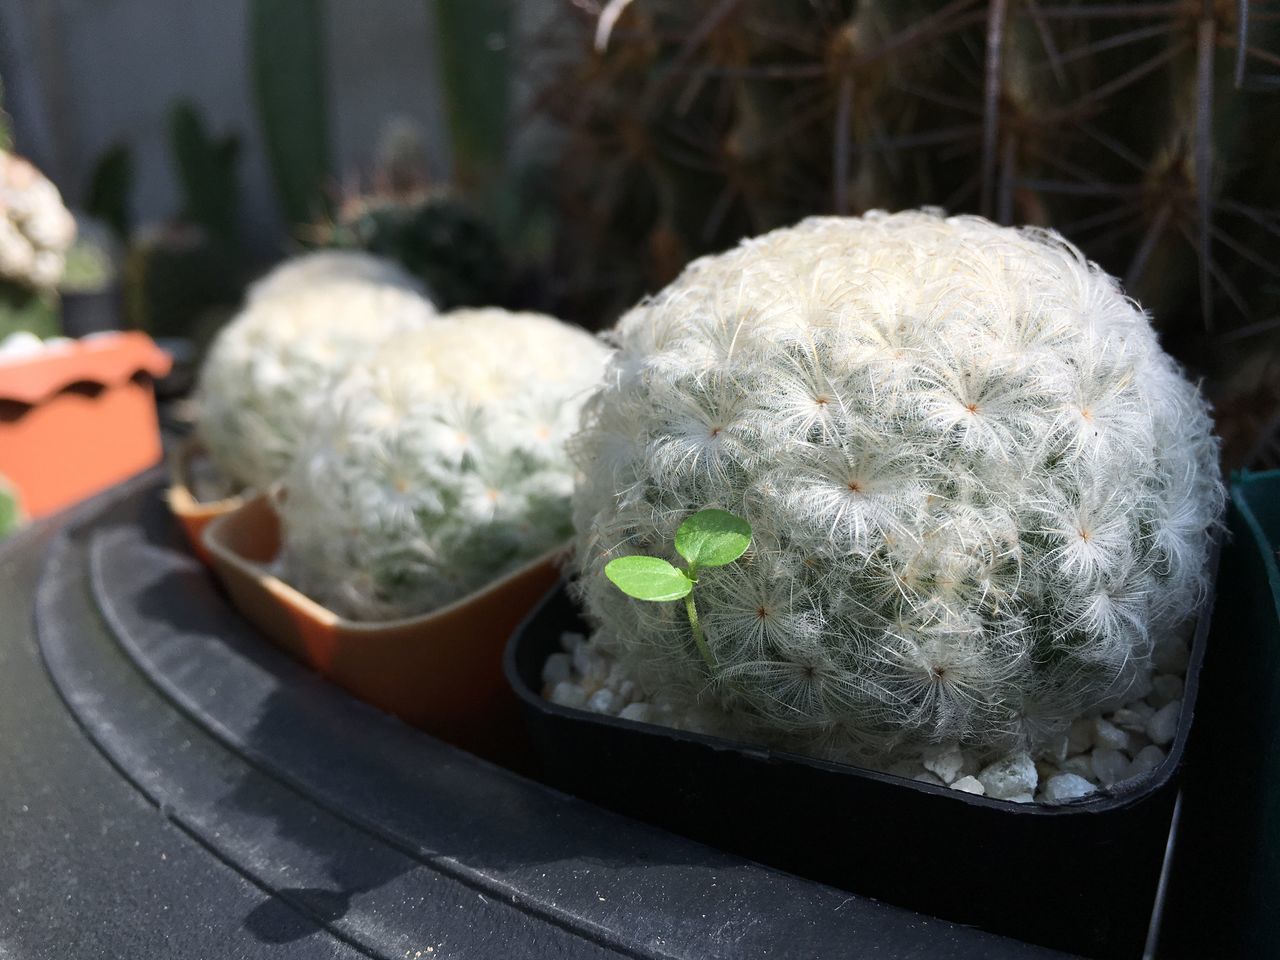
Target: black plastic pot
1228,851
1081,877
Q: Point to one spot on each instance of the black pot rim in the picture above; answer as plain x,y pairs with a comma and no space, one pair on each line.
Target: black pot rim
1096,803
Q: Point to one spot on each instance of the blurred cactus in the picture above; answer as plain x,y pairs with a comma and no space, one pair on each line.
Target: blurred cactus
437,239
286,56
110,185
21,308
6,133
177,280
92,261
435,236
206,168
476,75
35,232
10,508
690,124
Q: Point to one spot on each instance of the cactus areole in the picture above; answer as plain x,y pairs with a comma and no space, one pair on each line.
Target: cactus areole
979,493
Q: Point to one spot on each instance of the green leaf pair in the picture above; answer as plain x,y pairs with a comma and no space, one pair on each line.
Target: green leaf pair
709,538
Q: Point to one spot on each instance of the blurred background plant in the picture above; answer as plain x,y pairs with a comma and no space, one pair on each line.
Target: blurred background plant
10,510
586,150
35,232
1144,132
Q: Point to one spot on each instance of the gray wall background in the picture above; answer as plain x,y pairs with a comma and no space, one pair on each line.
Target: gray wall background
82,75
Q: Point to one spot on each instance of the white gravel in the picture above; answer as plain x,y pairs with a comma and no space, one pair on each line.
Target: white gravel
1103,752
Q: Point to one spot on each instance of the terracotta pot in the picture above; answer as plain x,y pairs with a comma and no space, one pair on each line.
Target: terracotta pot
78,418
193,514
440,672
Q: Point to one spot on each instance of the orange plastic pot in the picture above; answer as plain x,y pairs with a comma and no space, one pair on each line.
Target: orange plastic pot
194,515
440,672
78,418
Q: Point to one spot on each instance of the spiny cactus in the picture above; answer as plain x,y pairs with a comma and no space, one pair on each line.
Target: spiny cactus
978,490
269,370
439,465
1140,130
437,239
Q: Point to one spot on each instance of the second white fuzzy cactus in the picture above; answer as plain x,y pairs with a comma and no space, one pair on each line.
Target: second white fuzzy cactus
270,369
979,492
439,465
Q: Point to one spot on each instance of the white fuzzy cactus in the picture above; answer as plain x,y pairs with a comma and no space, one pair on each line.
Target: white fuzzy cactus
270,369
328,267
979,491
440,465
35,228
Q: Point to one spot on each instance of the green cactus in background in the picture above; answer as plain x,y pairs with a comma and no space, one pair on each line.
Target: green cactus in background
22,308
110,186
476,76
286,57
436,236
179,281
437,239
10,509
207,171
6,133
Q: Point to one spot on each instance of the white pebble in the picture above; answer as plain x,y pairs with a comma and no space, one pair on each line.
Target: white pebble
604,700
945,762
558,667
568,694
1080,738
1165,689
1067,786
639,712
1110,766
1163,725
1133,717
969,785
1108,736
1081,765
627,690
1020,798
589,665
1010,777
570,642
1147,760
20,344
927,777
1058,749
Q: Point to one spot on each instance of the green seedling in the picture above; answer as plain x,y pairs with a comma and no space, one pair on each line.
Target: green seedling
709,538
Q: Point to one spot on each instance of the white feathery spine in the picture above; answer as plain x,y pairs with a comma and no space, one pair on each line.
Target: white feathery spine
979,490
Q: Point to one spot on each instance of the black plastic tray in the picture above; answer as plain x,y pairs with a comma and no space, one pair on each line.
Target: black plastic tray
1081,877
175,786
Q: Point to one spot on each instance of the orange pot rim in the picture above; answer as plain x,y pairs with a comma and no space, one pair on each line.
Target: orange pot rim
107,359
181,499
291,596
